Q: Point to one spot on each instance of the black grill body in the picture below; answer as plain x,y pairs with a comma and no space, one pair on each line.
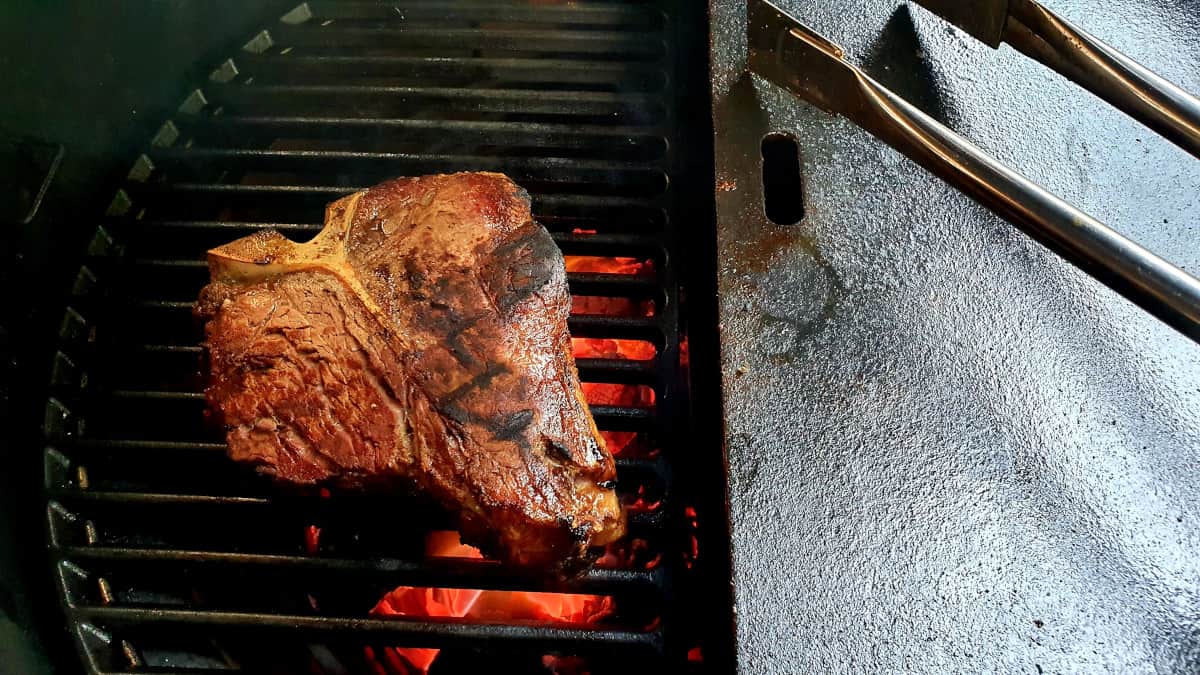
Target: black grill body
169,557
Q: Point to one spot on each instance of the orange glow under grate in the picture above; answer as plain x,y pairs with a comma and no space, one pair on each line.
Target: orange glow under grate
473,604
610,306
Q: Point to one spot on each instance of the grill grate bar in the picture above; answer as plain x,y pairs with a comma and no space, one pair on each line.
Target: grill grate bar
524,96
489,129
423,102
498,72
302,507
626,45
535,168
386,571
562,135
625,371
540,201
610,167
439,633
617,15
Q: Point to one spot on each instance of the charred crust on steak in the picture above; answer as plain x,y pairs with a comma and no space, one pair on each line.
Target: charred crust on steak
507,427
557,450
523,267
414,275
476,383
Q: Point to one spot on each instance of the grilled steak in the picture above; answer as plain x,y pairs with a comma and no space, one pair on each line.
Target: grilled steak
419,341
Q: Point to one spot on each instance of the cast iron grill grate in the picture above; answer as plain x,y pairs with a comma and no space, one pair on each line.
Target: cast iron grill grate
169,557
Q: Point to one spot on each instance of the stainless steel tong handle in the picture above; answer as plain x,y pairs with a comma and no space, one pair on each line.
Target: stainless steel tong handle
1047,37
793,56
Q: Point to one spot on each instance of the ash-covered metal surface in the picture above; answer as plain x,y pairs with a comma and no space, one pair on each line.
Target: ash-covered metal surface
949,450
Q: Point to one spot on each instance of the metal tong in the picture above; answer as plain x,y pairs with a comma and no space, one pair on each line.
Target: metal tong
793,56
1047,37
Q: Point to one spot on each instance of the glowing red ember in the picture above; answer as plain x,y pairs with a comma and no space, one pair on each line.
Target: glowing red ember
610,306
472,604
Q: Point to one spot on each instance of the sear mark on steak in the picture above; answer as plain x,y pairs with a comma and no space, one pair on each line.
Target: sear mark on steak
419,340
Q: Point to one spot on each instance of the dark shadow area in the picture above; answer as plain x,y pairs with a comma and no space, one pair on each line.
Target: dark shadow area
90,80
705,475
899,62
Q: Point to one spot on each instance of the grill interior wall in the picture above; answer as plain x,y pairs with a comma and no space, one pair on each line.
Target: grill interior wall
171,557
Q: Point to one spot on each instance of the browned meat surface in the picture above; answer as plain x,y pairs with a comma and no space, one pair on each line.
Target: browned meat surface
418,342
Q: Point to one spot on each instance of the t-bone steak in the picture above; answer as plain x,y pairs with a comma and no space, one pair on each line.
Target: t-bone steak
418,342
